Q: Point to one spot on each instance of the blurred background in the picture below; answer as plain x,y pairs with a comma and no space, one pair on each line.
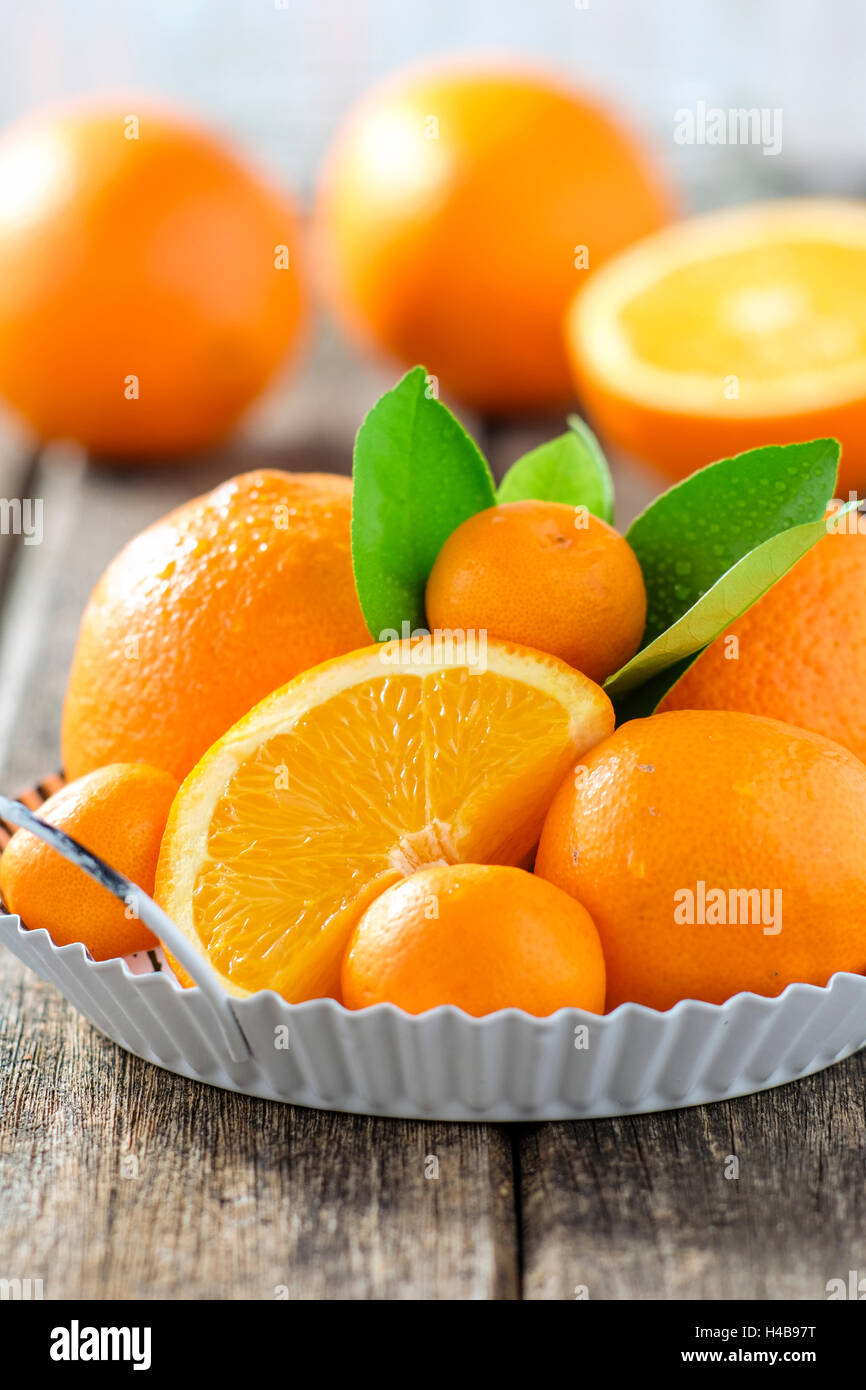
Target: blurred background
277,77
280,74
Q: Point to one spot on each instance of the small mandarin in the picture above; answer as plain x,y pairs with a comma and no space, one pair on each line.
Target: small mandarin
546,575
480,936
118,812
716,852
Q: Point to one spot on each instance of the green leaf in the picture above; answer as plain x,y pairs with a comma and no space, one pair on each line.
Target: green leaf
417,475
694,533
645,699
571,469
659,665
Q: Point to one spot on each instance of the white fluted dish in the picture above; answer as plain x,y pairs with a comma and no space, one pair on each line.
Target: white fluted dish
446,1065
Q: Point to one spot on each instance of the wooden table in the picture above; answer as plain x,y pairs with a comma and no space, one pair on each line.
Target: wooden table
119,1180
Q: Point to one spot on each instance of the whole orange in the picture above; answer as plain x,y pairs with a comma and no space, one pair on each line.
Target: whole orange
480,936
800,652
148,280
716,852
462,206
545,575
205,613
118,812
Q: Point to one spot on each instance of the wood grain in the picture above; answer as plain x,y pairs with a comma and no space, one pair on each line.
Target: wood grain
122,1181
642,1208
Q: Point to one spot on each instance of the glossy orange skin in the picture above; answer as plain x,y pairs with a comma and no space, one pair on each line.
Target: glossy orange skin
732,800
118,812
678,444
500,939
149,258
544,575
205,613
802,653
458,250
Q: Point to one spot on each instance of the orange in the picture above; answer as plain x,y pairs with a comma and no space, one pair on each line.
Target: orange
480,936
715,852
205,613
799,653
741,328
545,575
118,812
143,303
457,214
354,776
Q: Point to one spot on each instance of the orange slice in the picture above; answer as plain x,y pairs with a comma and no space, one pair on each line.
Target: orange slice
741,328
350,778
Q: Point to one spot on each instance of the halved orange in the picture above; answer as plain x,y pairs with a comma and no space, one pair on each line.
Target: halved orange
350,778
741,328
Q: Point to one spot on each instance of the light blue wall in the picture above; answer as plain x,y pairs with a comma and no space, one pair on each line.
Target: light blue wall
279,73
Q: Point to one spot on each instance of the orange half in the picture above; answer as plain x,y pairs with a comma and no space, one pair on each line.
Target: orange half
350,778
741,328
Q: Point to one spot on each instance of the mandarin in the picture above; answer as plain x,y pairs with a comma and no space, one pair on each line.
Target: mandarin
118,812
482,937
545,575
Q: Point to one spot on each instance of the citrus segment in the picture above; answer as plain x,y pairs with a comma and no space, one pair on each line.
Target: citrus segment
740,328
349,779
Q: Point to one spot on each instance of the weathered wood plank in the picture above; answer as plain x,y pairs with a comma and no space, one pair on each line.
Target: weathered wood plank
122,1181
642,1207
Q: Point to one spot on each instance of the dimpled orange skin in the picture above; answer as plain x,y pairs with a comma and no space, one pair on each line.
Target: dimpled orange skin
732,800
150,258
544,575
481,937
205,613
118,812
799,653
451,213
